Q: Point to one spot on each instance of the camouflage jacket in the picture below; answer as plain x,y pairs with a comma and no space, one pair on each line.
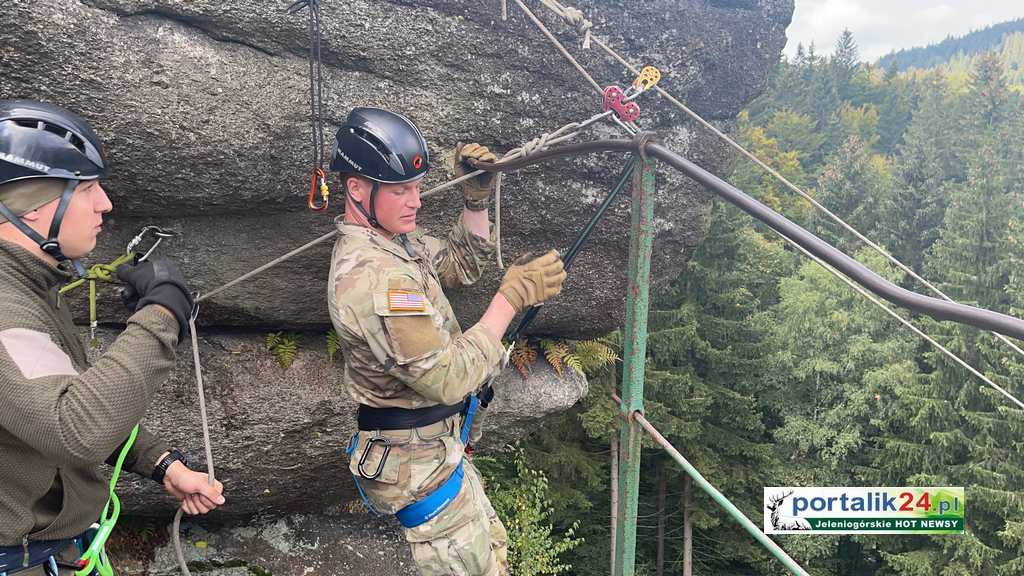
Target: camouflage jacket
402,343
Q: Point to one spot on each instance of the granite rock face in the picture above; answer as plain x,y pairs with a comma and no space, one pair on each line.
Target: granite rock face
279,435
203,107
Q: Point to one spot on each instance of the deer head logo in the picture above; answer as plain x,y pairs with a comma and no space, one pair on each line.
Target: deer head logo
775,507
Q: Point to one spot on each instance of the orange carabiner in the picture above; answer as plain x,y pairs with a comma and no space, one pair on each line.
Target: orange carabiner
318,181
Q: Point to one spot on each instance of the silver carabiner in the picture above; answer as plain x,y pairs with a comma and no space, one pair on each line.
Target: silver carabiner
156,232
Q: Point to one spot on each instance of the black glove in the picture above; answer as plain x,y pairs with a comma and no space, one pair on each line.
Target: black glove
157,281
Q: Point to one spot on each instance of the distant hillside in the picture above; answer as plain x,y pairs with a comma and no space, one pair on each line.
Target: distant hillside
973,43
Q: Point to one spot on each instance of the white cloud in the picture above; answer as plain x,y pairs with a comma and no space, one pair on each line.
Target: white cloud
937,14
880,26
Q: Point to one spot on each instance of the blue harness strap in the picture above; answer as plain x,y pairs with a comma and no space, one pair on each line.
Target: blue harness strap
467,421
434,503
431,505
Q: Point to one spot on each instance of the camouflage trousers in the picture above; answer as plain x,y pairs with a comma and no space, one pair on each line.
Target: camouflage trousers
398,467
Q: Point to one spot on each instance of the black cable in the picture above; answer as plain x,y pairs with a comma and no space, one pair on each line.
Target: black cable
315,75
570,255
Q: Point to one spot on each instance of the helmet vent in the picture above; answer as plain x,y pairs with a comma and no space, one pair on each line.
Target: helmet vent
76,141
64,133
372,140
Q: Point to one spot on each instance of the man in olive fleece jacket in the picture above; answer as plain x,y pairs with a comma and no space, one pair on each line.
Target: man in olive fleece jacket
61,419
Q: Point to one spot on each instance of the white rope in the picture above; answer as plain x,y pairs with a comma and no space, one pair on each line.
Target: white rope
540,25
206,436
574,17
569,131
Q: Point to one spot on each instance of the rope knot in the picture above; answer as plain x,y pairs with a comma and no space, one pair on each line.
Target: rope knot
536,145
575,17
103,272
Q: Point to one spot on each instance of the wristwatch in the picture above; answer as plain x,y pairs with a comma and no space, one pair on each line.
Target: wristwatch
161,467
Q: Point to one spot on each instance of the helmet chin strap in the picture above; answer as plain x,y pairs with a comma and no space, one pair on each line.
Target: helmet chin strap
371,216
49,245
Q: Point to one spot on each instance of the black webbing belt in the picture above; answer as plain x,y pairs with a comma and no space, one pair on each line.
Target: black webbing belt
404,418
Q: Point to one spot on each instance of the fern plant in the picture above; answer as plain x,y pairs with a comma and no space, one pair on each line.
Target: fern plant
284,346
584,357
589,356
523,354
333,344
555,353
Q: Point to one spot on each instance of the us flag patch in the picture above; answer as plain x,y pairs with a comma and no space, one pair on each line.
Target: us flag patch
406,301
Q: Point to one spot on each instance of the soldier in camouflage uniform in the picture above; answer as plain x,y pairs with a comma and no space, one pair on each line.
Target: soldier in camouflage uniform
408,364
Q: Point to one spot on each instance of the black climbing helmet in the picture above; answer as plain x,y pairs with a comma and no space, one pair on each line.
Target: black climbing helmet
382,146
39,140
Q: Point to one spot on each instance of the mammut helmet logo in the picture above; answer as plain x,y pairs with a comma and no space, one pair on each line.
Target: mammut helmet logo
417,162
37,166
352,162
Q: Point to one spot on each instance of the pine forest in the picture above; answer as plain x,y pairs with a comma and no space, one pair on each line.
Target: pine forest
764,369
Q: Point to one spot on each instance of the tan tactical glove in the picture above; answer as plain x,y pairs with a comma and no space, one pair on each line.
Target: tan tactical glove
530,281
476,191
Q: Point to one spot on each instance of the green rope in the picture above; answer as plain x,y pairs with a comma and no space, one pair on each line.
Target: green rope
104,272
95,558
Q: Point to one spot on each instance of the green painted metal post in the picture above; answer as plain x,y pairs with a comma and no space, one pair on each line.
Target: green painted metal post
641,239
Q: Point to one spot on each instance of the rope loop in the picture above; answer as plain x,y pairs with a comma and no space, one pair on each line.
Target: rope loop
103,272
642,140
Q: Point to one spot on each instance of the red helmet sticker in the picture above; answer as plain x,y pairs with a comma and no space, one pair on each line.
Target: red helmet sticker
417,162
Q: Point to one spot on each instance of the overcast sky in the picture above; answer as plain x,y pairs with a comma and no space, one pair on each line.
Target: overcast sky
881,26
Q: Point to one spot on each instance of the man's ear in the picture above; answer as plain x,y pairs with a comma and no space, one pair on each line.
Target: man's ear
356,188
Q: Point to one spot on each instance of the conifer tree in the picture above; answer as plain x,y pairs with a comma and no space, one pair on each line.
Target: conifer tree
927,164
964,432
857,185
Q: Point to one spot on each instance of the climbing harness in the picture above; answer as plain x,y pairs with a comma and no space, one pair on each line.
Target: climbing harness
105,272
32,554
428,507
91,546
432,504
317,178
